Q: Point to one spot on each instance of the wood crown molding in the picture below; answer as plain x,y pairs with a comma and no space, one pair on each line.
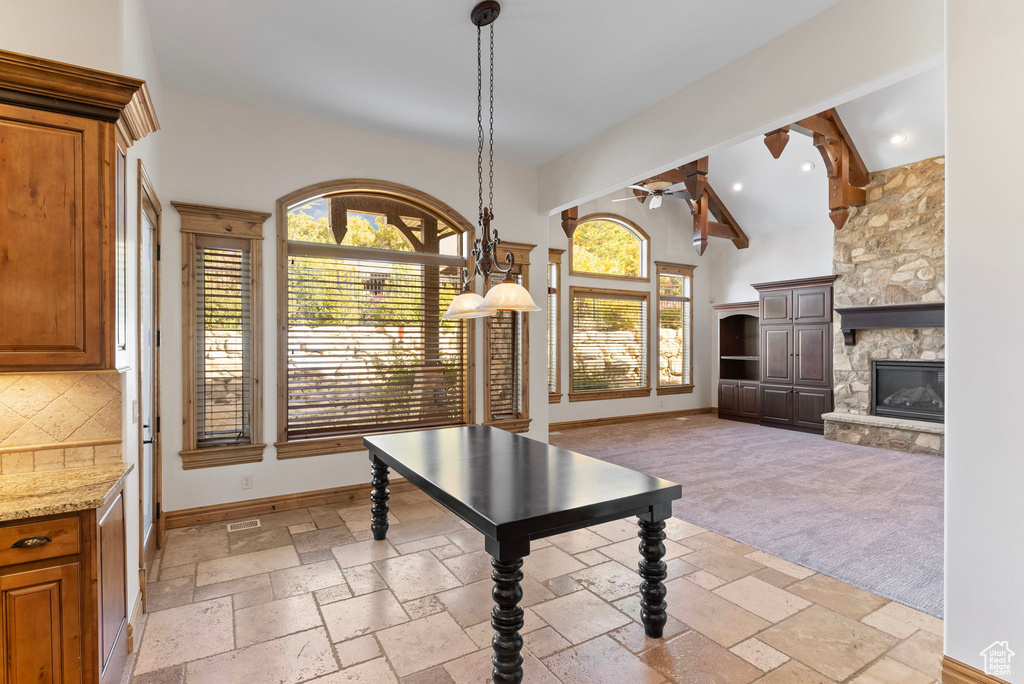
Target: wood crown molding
71,89
817,281
955,672
186,517
519,250
637,417
737,306
555,255
674,269
221,221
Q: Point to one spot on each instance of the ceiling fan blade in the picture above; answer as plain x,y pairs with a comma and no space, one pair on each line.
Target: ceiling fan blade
681,194
675,188
655,201
639,187
625,199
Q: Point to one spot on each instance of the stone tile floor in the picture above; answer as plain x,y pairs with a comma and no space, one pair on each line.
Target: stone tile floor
310,597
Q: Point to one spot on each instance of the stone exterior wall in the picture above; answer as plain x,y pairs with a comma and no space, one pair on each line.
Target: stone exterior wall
891,251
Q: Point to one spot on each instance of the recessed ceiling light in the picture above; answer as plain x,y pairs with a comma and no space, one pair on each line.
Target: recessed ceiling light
807,166
898,138
737,187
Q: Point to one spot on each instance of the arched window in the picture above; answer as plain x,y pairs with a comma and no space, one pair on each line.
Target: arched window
368,269
608,246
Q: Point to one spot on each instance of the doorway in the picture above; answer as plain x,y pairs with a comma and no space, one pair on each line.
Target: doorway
150,519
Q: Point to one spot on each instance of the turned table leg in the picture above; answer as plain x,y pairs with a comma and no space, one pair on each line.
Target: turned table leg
507,620
379,496
652,572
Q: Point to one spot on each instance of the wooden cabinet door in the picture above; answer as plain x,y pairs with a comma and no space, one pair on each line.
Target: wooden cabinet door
812,305
749,399
808,406
812,355
728,397
777,307
56,247
776,405
41,631
777,354
113,617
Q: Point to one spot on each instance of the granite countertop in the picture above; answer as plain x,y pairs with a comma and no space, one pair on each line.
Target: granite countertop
29,495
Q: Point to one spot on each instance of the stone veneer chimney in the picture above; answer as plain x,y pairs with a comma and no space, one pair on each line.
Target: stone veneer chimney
891,251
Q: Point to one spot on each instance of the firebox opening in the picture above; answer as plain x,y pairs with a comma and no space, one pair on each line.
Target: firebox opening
909,389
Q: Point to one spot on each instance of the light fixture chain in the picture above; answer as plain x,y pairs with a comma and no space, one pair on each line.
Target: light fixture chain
490,188
479,127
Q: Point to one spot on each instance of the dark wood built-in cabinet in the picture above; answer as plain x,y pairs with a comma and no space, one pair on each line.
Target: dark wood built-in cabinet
62,597
775,355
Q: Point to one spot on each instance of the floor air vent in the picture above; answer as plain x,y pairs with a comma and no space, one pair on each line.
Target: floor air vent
244,525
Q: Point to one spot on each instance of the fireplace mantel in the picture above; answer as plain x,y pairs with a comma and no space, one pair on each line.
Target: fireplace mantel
920,315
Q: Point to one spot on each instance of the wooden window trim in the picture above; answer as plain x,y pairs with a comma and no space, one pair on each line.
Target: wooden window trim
624,393
645,254
686,271
235,225
555,259
301,448
521,423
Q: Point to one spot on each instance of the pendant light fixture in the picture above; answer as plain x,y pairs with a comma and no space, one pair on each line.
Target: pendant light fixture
507,295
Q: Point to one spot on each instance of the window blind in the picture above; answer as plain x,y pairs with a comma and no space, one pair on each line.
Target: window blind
674,330
223,328
368,350
505,354
609,341
553,330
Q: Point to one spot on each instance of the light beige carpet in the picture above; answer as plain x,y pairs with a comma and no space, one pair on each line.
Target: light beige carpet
866,516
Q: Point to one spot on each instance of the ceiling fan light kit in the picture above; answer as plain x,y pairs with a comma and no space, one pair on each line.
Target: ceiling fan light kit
507,295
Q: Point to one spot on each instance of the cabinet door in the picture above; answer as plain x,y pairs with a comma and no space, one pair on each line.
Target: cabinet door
808,405
56,246
113,617
728,399
750,399
813,355
41,630
776,405
812,305
777,354
777,307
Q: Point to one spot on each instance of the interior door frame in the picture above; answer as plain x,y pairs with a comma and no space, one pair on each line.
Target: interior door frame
147,194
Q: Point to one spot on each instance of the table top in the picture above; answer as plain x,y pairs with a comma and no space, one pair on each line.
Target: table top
508,486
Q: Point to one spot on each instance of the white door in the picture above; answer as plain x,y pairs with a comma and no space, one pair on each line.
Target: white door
148,298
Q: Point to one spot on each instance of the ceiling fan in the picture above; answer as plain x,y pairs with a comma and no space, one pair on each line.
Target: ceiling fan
656,189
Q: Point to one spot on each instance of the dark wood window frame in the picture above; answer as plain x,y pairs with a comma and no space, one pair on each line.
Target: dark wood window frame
244,229
521,422
299,448
645,251
554,323
623,393
685,271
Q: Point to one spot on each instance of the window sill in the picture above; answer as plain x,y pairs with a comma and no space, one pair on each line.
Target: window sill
676,389
211,457
324,446
554,398
512,424
598,395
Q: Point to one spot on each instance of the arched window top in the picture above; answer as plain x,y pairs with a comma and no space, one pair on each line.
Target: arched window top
609,246
375,214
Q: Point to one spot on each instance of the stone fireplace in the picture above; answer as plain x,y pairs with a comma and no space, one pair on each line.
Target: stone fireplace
889,259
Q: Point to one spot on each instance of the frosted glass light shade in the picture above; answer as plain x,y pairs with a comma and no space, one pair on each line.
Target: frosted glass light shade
467,305
508,297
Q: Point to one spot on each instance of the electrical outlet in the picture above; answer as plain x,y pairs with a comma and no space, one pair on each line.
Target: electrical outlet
247,481
661,403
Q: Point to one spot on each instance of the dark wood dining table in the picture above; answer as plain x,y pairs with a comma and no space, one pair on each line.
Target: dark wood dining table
514,489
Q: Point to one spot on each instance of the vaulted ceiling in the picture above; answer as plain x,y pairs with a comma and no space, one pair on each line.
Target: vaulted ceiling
566,70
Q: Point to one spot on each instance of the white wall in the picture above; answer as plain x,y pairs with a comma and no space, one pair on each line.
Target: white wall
671,232
74,31
802,72
796,253
237,156
985,267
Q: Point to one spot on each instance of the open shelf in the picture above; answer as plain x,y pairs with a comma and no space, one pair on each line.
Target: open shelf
741,358
738,339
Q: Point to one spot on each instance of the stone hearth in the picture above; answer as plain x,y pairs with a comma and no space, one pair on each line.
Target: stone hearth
891,251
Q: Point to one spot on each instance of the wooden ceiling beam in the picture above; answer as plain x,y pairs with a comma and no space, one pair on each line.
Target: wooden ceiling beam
847,173
570,217
722,213
776,140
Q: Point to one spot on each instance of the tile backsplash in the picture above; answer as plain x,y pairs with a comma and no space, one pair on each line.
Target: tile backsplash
50,421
